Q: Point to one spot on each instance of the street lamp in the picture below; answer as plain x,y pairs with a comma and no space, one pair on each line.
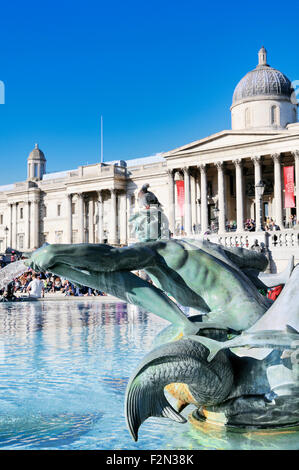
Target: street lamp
216,213
6,229
259,191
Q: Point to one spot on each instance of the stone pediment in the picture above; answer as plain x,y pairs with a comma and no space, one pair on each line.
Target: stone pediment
225,140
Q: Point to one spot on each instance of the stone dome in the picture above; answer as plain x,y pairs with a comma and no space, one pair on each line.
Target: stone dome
36,154
262,83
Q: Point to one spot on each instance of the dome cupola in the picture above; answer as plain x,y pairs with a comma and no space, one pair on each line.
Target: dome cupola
264,98
36,164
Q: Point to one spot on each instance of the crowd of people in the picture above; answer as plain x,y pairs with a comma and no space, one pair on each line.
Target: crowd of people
36,285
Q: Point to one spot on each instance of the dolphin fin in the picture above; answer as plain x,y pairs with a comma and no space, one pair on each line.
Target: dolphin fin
141,405
213,346
292,330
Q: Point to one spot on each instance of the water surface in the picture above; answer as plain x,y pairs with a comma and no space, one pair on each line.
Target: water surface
64,366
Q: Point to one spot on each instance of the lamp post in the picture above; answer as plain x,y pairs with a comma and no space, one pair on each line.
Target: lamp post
216,213
259,191
6,229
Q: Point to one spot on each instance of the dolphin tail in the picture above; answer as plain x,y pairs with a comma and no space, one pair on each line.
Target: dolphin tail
213,346
286,273
272,280
140,405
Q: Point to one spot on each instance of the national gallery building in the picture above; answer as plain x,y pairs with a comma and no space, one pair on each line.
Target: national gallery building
210,185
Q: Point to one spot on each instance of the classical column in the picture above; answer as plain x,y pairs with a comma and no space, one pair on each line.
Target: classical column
113,221
239,195
187,221
198,206
90,221
257,178
27,228
296,159
100,217
277,190
221,198
69,229
123,223
171,201
81,218
13,225
35,223
204,198
10,225
193,201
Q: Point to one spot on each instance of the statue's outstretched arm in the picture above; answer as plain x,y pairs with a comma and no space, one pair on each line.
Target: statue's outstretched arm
95,257
130,288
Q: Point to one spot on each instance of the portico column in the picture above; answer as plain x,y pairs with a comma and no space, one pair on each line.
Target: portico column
171,204
100,217
277,190
10,225
296,159
90,221
14,225
81,217
193,201
113,222
69,229
257,178
221,197
239,195
204,198
198,207
187,221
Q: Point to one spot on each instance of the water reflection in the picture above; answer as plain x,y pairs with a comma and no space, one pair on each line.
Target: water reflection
64,367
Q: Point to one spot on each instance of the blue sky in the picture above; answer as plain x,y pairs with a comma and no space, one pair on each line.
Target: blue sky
162,74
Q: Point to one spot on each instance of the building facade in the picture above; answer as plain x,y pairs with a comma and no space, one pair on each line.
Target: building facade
217,176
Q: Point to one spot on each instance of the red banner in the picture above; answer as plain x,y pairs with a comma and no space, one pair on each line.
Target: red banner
288,174
181,197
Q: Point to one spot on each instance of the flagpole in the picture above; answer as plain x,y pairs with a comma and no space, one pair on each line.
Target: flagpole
102,155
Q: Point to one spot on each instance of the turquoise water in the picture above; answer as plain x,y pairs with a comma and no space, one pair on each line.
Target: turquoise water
64,366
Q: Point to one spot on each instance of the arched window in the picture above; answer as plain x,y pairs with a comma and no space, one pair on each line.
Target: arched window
275,115
294,115
247,117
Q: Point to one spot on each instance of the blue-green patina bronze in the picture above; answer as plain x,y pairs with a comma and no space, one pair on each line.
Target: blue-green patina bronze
243,378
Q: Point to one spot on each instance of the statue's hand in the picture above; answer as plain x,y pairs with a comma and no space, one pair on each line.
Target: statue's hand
41,259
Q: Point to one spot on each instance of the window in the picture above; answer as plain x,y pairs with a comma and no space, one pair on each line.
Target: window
45,237
21,241
75,236
73,208
35,170
275,115
266,209
21,212
58,236
247,117
59,209
1,219
295,115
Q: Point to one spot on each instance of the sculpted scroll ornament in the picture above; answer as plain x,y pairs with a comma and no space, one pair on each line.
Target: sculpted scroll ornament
276,157
295,154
